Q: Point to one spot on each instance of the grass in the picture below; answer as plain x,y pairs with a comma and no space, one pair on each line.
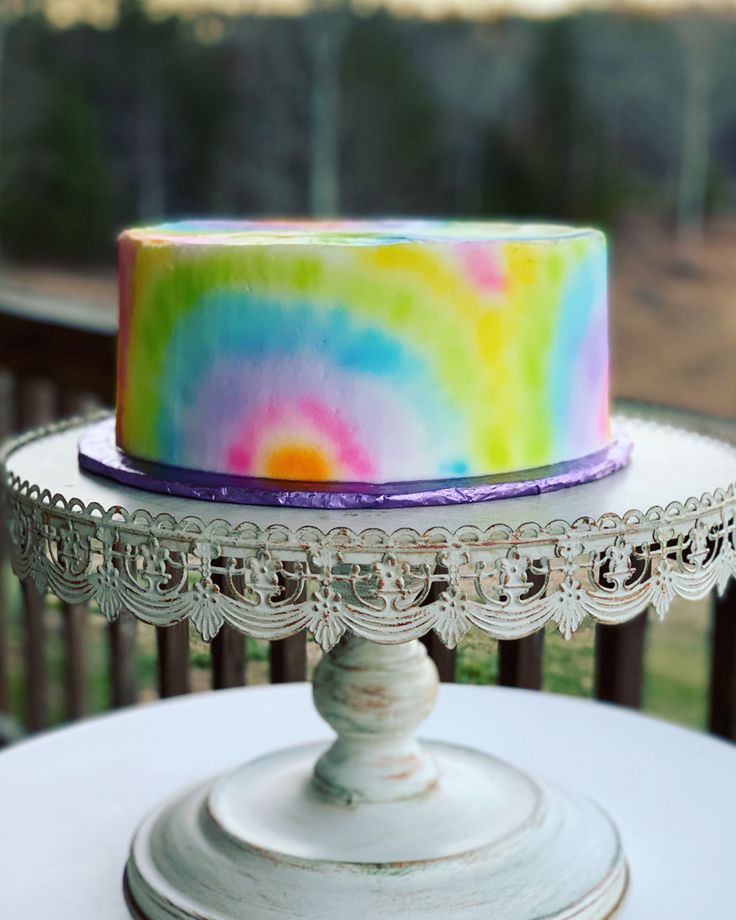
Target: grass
676,661
676,665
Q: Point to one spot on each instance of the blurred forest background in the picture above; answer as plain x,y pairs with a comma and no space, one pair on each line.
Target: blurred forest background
589,117
120,112
114,114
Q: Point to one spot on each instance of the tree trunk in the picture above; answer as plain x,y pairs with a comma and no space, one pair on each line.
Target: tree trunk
149,160
3,31
692,181
326,38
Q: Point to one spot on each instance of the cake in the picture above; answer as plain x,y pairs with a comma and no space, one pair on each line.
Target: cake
362,351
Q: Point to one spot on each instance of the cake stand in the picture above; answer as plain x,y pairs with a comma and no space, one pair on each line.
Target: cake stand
379,824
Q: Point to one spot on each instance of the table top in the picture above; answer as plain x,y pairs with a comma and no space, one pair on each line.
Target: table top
71,799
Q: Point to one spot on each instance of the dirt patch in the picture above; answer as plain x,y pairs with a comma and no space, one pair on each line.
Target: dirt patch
673,317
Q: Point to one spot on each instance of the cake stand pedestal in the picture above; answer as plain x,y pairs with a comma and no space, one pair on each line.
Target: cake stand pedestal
379,824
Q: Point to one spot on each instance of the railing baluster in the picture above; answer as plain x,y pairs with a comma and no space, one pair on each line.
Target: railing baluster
36,681
173,642
4,620
69,402
289,659
26,405
35,403
520,662
228,646
173,659
6,423
619,661
722,714
75,682
31,407
123,669
8,404
228,659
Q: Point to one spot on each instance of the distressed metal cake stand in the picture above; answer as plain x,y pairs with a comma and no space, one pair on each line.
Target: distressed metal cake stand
379,824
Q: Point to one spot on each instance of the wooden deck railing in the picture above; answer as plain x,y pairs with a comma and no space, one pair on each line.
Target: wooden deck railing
53,362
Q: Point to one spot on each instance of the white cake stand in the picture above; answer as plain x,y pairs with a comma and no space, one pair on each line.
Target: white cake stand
379,824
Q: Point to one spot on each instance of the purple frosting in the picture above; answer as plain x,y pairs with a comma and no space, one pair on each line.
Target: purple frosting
98,453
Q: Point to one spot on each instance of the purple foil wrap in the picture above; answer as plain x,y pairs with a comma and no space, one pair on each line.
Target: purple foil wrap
98,453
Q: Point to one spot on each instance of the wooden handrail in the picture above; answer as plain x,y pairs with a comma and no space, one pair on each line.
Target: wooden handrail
73,359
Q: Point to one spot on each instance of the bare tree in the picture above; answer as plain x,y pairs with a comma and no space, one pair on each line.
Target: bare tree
698,41
325,34
4,20
149,143
476,74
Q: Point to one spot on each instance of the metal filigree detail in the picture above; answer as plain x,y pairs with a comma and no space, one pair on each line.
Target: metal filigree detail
327,624
385,586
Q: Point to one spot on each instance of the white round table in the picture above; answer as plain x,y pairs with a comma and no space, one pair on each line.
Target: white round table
70,800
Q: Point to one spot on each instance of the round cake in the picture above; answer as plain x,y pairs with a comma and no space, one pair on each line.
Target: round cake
362,351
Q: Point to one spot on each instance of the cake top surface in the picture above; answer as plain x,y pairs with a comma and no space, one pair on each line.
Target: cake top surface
346,232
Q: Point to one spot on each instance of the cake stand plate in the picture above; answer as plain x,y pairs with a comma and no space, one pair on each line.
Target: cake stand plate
99,453
380,824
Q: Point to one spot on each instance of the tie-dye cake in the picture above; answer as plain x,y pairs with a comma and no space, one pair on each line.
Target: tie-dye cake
362,351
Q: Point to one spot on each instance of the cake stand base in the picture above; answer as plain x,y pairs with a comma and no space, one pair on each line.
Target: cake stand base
377,825
490,842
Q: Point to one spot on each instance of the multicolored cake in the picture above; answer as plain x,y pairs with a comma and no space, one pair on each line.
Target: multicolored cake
362,351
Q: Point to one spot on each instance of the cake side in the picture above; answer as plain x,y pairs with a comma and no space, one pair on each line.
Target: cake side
362,351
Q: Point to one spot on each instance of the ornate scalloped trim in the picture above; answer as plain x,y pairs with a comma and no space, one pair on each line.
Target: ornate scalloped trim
386,586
